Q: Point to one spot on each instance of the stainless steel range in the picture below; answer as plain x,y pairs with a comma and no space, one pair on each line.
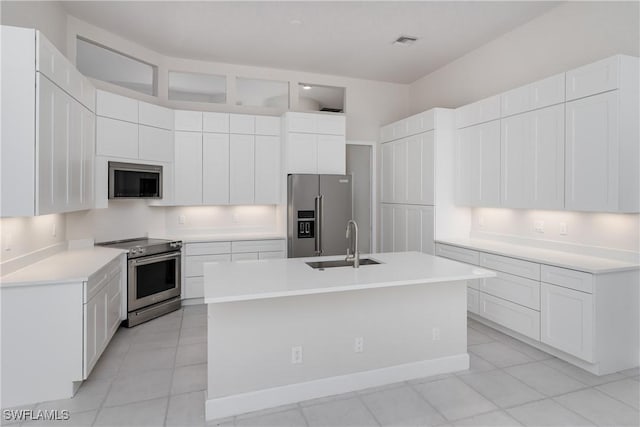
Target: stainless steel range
154,277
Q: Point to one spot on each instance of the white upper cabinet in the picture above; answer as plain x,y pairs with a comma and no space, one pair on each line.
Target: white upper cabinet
400,171
242,123
241,169
215,169
533,159
412,125
598,77
315,143
479,112
116,138
188,120
188,168
387,173
267,170
543,93
268,125
116,106
154,115
603,137
215,122
478,165
155,144
48,131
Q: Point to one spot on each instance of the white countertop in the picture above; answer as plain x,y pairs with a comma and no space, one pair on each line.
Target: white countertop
219,237
262,279
63,267
589,264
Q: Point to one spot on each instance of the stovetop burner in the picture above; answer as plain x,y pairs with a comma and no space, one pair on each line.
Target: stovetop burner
144,246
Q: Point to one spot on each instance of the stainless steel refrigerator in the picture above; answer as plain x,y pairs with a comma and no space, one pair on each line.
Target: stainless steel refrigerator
318,208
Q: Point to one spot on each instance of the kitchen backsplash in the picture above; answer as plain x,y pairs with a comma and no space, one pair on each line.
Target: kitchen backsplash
615,231
22,235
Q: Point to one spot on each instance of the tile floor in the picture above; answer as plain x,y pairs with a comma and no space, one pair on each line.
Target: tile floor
155,375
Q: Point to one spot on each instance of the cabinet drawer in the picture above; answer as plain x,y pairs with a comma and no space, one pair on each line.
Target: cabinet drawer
267,125
208,248
154,115
594,78
513,316
513,288
116,107
572,279
473,302
505,264
257,246
193,287
101,277
116,138
244,256
194,263
456,253
272,255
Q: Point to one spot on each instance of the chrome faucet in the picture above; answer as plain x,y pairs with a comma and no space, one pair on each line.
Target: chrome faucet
352,252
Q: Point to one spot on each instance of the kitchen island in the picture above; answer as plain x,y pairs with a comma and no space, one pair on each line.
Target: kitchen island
280,331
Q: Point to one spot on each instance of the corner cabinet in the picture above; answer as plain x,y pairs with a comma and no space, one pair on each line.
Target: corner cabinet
590,320
54,332
48,129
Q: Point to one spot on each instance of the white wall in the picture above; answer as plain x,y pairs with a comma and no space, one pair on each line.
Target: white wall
223,219
46,16
570,35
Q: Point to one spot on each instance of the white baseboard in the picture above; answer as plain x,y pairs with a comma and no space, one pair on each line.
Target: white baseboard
222,407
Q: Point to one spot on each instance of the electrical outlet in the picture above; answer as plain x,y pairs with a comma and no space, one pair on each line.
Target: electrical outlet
435,334
182,219
54,231
539,226
296,354
564,229
234,218
358,345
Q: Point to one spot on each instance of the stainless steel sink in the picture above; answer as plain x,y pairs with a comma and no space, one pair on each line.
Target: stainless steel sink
340,263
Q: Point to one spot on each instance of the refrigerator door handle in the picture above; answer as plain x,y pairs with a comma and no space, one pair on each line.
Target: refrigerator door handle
318,231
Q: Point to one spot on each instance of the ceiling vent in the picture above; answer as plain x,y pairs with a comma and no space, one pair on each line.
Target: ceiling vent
405,41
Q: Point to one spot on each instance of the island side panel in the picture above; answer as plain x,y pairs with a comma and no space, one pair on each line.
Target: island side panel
250,342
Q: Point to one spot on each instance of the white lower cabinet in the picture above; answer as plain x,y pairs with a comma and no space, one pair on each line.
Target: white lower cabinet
473,300
567,320
199,253
508,314
590,320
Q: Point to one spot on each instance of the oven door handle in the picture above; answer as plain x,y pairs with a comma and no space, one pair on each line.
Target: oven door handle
151,259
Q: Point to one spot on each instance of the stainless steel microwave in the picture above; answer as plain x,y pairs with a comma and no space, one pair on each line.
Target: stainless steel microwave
134,181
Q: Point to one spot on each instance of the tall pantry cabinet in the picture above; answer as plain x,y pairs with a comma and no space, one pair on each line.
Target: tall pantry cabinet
417,157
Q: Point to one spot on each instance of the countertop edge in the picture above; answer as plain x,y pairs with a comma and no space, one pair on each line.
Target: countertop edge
319,291
591,270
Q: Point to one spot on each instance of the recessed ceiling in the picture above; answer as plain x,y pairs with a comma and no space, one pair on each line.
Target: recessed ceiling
341,38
